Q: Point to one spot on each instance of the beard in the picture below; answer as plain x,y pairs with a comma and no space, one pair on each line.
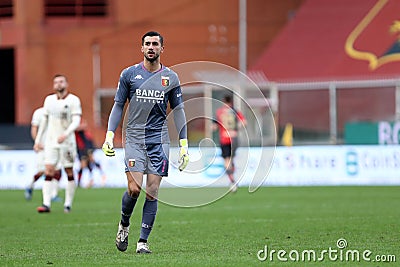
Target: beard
60,90
151,60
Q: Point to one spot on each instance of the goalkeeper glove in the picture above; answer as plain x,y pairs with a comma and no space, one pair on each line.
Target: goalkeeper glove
183,154
108,146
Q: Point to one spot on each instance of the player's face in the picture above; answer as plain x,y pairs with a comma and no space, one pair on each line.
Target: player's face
152,48
60,84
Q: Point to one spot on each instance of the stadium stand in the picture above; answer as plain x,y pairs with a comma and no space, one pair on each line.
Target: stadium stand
15,137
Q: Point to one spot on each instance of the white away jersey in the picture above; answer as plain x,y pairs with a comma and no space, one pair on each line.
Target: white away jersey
59,114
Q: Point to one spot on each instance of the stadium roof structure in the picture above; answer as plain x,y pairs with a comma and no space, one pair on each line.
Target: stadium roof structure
340,40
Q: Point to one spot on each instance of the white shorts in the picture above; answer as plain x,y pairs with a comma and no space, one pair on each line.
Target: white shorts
64,156
40,161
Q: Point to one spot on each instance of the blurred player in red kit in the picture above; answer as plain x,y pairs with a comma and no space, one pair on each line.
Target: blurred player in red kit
228,121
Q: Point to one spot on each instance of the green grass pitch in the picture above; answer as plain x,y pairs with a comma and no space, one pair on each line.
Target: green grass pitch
229,232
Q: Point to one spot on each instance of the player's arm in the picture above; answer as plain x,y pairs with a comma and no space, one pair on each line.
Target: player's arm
242,119
76,113
76,120
43,125
180,121
177,106
215,123
113,121
34,131
116,112
180,124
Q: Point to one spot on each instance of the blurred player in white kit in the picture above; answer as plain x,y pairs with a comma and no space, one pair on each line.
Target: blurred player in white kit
35,123
62,115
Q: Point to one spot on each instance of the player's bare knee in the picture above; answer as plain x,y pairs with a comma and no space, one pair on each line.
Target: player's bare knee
151,192
134,191
151,195
49,173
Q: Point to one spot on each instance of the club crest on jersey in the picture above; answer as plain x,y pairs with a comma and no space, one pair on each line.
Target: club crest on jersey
164,81
131,162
